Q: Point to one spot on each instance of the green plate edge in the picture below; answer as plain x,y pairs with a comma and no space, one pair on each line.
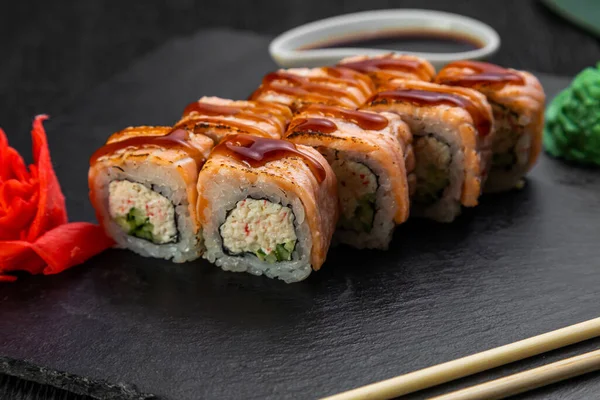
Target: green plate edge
583,13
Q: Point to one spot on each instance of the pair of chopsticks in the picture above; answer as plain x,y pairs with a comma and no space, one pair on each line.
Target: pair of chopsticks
499,388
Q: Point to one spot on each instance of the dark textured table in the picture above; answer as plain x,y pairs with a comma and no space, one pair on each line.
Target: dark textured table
520,264
55,51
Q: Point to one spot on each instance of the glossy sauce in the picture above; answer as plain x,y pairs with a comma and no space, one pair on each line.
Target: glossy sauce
390,67
367,121
293,91
325,89
198,123
250,113
418,40
308,85
424,97
256,152
484,73
210,109
176,139
351,78
384,63
321,125
335,75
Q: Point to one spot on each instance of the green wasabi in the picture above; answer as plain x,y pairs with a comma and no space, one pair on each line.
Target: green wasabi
572,128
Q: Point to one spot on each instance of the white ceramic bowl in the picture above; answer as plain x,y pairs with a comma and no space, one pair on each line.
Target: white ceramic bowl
285,48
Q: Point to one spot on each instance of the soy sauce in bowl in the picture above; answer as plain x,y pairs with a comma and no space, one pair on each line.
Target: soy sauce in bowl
420,41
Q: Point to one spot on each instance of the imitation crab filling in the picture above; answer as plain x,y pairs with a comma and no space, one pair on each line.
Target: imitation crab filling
508,132
432,169
357,187
262,228
142,212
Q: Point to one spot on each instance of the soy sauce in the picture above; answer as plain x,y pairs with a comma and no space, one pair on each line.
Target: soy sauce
405,40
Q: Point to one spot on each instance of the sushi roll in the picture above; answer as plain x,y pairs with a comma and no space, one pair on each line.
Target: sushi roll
296,87
217,118
518,101
143,188
267,206
452,132
387,69
372,158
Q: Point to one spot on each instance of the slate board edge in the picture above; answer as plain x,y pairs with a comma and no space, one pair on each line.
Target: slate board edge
98,389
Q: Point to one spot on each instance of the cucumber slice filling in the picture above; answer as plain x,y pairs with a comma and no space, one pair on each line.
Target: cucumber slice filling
432,170
364,213
135,223
282,252
508,132
504,160
431,188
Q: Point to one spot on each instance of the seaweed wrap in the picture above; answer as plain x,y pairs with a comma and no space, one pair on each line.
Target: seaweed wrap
371,155
452,129
267,207
518,101
143,188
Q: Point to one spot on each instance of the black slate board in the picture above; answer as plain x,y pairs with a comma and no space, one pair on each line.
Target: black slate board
520,264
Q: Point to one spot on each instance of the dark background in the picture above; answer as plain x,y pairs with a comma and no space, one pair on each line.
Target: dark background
53,51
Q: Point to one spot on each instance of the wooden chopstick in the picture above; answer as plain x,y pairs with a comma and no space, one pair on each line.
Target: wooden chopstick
449,371
528,380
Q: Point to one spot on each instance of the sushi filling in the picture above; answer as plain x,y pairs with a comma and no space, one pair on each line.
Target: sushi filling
505,145
357,187
432,169
262,228
142,212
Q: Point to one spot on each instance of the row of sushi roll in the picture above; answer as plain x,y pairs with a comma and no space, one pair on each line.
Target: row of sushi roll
340,154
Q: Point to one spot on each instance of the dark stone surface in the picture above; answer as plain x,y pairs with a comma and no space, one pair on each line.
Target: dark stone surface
60,385
520,264
55,51
13,388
